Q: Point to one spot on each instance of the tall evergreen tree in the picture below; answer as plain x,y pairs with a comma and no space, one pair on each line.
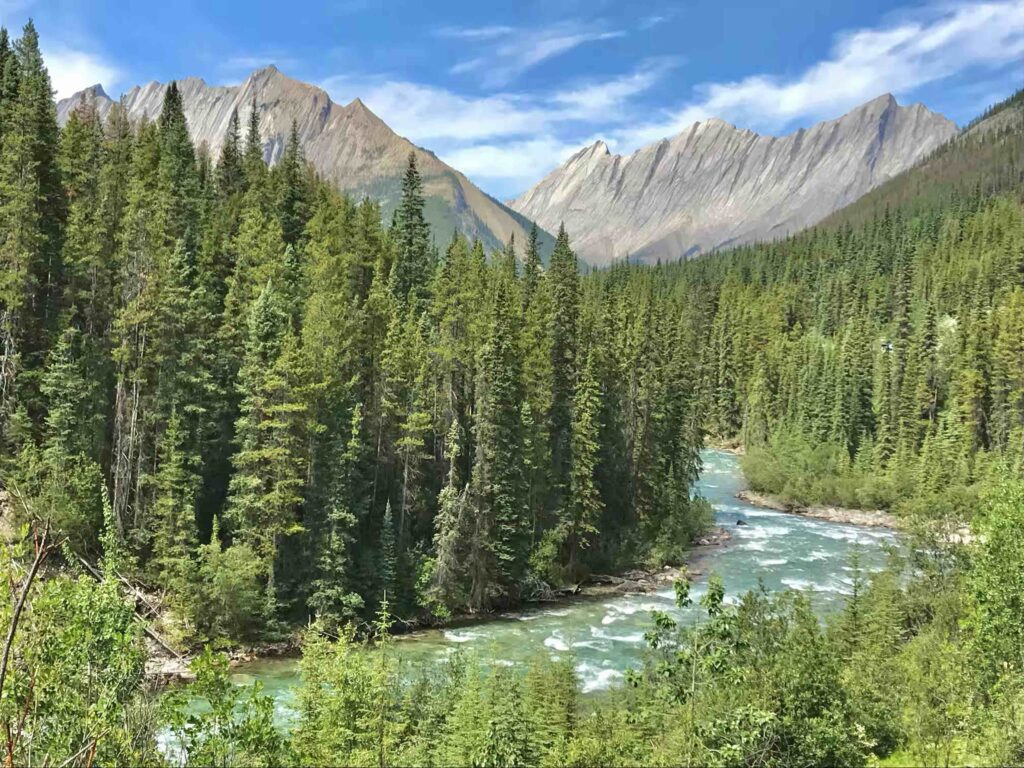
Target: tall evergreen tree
230,166
411,269
563,279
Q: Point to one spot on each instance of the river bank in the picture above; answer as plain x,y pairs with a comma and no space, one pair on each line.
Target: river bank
602,629
862,517
162,668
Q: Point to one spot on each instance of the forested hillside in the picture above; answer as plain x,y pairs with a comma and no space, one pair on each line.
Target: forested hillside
239,388
286,409
984,159
879,365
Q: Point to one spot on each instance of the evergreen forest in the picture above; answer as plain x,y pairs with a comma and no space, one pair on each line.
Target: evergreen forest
231,387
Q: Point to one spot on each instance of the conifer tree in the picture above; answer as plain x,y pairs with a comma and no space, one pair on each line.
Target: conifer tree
502,528
411,269
230,167
531,267
563,279
253,157
176,538
389,589
290,178
31,217
585,505
266,490
88,279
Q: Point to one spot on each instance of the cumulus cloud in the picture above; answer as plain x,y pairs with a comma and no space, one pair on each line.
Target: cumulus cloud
863,64
508,140
72,70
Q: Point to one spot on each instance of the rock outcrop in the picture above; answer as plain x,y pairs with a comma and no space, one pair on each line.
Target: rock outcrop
715,185
348,145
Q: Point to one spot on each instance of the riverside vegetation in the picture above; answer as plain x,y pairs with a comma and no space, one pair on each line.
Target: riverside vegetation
238,387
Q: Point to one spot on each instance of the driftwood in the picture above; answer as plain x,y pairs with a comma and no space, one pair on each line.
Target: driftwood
98,575
137,593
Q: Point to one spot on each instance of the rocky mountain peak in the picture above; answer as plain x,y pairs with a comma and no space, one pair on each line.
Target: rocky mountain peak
715,185
348,145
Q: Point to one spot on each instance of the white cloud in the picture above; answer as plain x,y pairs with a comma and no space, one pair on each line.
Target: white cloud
600,99
505,141
512,166
425,113
521,50
429,114
72,70
508,140
476,33
863,64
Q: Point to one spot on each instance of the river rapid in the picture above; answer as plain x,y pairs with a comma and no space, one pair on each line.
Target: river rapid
605,636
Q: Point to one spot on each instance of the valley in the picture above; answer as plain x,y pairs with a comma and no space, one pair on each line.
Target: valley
273,375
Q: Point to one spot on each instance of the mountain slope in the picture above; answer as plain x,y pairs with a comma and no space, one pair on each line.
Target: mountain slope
987,157
716,185
348,145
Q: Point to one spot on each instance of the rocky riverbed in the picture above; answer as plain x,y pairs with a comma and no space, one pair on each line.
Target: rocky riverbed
869,518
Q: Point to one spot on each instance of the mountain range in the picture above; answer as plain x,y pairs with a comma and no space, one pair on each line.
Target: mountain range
348,145
712,186
716,185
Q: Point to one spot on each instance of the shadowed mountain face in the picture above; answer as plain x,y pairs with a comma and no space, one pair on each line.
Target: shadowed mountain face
348,145
716,185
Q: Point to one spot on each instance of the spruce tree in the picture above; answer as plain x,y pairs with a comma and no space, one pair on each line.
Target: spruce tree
563,279
266,490
175,539
499,553
31,218
585,504
411,269
230,166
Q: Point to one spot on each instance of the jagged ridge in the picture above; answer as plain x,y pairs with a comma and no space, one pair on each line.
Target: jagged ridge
716,185
349,145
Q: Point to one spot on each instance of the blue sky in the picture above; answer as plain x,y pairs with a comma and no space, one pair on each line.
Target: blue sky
505,91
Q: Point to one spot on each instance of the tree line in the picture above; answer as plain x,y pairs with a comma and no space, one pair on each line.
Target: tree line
242,387
878,365
285,408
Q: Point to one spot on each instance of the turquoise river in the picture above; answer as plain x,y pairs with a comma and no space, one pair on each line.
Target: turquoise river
605,636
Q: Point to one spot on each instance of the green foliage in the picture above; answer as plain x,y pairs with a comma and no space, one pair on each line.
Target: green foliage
73,686
229,595
213,722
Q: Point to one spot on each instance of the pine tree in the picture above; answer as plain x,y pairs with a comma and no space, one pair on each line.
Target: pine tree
411,269
563,279
585,504
230,167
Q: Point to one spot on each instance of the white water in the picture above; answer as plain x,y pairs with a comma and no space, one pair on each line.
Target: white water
607,637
